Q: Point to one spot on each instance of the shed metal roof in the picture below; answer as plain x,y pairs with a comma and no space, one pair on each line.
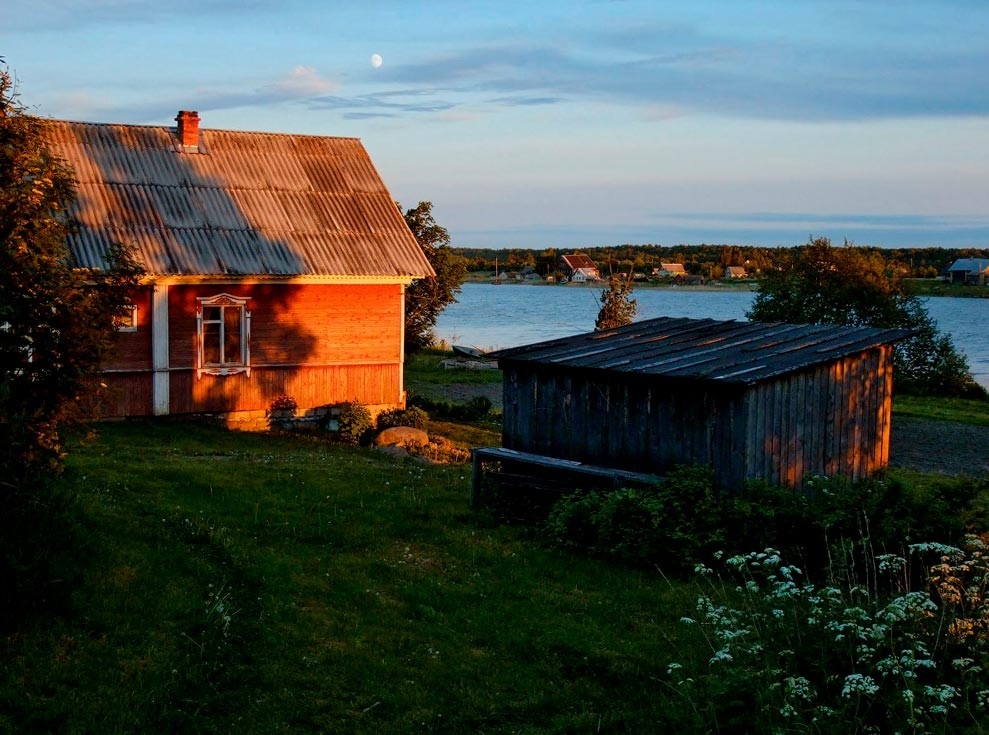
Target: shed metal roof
243,204
727,352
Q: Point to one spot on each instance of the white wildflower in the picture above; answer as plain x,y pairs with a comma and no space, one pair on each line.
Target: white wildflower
859,684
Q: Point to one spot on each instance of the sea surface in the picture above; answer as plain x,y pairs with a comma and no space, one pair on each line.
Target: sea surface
509,315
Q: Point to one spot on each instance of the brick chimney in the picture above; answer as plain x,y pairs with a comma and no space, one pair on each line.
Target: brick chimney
188,121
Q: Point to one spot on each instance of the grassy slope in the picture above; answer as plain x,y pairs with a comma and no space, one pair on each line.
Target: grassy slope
263,584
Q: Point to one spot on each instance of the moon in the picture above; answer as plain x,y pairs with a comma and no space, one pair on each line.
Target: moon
376,60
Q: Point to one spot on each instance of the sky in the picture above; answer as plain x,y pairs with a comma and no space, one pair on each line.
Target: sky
571,124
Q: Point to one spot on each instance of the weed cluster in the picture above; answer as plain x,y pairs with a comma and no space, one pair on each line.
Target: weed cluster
784,655
837,528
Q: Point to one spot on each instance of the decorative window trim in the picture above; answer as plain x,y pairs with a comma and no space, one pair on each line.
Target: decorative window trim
127,323
227,366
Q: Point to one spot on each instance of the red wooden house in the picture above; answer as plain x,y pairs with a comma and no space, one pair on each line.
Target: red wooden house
276,264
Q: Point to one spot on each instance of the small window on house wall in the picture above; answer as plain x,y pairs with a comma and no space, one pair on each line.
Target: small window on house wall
223,328
126,320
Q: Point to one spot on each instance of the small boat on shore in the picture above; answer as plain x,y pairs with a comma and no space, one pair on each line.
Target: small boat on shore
471,353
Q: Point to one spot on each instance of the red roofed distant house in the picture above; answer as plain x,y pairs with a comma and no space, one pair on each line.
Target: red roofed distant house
275,265
670,270
735,271
579,268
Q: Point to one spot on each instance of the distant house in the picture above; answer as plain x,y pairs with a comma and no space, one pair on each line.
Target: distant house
583,275
276,264
735,271
571,264
670,270
969,270
751,400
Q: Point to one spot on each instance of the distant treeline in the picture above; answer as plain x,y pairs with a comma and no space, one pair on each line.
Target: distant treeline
708,261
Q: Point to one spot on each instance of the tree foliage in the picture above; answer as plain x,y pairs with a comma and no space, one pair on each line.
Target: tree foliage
821,284
55,320
425,298
617,306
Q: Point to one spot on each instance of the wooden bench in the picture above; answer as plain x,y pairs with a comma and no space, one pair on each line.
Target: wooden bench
618,478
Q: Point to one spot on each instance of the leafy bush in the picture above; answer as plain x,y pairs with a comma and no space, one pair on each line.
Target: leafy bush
354,423
669,525
412,416
852,286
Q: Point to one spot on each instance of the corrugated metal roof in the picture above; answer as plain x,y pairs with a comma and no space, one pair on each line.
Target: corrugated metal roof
252,204
730,352
578,260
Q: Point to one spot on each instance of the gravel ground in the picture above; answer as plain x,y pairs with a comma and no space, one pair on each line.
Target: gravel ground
939,446
944,447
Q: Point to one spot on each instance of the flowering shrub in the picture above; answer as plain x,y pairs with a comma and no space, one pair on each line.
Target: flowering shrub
787,656
283,402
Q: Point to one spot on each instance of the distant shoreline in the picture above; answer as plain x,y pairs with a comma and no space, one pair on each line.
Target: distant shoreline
924,288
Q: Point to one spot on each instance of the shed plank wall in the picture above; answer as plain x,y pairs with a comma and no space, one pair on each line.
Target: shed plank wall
830,419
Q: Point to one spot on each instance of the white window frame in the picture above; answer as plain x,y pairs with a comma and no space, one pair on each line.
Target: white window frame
235,364
126,323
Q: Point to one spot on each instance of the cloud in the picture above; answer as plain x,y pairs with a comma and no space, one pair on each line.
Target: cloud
759,74
302,81
383,104
301,85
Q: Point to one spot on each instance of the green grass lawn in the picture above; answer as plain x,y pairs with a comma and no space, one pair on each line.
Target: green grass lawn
962,410
258,584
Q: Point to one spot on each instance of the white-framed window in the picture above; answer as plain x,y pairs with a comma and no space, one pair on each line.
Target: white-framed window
126,320
223,335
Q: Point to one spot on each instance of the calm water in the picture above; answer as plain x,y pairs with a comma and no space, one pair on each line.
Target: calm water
506,316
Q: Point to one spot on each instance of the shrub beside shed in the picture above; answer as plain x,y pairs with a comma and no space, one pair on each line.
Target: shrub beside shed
752,400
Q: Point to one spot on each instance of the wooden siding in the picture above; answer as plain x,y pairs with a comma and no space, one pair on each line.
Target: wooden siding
373,385
831,419
299,324
614,421
126,394
321,344
132,350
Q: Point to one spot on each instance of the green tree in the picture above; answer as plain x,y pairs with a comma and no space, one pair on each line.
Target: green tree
617,306
425,298
56,323
821,284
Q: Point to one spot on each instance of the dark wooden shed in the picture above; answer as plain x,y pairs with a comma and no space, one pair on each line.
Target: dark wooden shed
752,400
